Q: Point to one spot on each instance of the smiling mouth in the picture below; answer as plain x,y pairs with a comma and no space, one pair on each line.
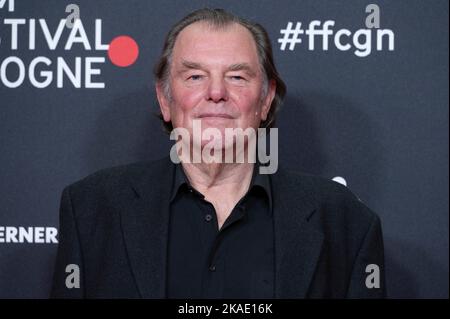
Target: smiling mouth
215,115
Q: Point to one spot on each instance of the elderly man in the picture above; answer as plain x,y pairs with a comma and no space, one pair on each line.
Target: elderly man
215,229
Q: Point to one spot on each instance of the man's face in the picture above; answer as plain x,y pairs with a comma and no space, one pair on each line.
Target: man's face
215,76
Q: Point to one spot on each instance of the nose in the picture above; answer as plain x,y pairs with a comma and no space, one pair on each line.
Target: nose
217,90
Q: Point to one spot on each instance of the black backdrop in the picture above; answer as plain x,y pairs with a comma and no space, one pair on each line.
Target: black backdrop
379,121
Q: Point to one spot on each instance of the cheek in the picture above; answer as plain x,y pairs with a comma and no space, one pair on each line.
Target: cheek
186,98
184,101
249,104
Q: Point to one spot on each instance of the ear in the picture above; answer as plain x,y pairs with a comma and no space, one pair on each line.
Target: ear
163,102
268,99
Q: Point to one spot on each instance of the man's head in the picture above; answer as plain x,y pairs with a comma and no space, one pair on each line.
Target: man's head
218,68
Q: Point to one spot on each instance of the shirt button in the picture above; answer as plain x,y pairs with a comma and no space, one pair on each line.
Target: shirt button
212,268
208,217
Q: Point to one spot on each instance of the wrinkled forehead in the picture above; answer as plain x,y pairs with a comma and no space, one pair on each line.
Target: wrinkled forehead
202,42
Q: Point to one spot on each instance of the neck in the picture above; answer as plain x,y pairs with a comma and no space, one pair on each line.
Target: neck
223,185
235,177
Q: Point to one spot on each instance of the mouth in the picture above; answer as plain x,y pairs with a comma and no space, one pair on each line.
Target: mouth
215,115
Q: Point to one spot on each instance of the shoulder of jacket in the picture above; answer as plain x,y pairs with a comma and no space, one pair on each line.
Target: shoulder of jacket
331,196
109,181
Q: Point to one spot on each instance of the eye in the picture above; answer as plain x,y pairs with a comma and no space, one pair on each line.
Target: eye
195,77
237,78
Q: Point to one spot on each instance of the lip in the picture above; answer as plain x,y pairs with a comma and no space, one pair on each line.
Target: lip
215,115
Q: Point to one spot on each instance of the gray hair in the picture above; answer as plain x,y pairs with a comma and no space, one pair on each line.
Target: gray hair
219,18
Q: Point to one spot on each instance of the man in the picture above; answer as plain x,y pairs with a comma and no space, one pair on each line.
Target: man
216,229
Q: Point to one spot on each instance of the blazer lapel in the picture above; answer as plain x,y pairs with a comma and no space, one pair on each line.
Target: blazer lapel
145,224
297,243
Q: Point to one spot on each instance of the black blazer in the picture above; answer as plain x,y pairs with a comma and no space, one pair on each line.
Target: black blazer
114,226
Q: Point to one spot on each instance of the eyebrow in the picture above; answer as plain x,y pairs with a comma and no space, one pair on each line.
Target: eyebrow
189,65
242,67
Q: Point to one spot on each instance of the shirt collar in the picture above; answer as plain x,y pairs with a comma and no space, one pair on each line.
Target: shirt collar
180,180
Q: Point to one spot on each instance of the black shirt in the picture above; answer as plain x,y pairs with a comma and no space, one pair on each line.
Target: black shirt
236,261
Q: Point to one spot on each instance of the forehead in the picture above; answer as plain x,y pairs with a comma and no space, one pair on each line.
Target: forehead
200,42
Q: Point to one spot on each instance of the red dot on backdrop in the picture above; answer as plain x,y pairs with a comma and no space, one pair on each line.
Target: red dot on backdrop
123,51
